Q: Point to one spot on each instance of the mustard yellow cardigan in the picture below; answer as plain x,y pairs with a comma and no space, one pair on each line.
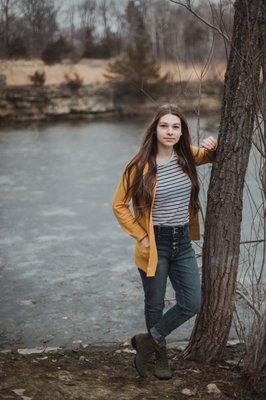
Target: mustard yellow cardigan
146,258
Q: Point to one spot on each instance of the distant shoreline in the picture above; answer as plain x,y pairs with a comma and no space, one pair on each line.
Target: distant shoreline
93,102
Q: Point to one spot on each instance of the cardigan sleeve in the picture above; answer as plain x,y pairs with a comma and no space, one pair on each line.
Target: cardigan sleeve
123,213
202,155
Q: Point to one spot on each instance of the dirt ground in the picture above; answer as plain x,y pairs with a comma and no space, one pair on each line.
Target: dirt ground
92,71
107,372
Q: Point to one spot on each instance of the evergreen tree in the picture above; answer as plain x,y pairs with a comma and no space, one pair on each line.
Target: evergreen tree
137,68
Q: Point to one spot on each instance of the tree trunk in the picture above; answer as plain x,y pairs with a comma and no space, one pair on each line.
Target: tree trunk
224,206
263,46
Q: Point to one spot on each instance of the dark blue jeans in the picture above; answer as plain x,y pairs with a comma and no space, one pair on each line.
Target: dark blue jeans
176,259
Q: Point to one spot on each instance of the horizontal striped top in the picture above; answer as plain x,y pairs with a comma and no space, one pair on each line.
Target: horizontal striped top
172,196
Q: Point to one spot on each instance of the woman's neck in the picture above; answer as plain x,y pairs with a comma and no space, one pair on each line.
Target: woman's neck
162,158
164,152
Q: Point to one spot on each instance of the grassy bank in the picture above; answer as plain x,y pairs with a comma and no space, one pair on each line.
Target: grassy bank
92,71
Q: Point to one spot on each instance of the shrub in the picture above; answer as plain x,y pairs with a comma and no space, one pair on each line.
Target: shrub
38,78
56,50
103,49
17,48
74,82
2,80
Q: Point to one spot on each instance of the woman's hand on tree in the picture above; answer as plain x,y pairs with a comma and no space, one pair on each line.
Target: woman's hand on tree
210,143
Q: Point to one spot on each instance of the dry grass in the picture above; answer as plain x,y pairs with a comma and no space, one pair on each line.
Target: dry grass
17,72
91,71
191,72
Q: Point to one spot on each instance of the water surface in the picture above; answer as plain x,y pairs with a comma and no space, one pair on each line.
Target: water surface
67,270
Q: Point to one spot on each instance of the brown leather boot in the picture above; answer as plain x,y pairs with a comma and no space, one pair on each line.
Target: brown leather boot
145,346
162,369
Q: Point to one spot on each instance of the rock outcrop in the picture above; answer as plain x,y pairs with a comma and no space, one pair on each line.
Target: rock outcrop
44,103
33,103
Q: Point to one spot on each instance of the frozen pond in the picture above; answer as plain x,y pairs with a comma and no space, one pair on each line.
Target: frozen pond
67,270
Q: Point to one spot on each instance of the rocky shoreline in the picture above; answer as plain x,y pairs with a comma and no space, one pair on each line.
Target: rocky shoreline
92,102
107,372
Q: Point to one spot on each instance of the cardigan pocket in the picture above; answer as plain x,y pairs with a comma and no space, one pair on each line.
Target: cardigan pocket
142,250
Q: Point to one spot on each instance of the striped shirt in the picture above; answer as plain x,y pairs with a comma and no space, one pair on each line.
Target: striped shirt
172,197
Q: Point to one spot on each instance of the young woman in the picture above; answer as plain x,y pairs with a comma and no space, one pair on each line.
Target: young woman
161,180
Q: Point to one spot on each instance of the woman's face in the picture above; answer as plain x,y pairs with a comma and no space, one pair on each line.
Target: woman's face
168,130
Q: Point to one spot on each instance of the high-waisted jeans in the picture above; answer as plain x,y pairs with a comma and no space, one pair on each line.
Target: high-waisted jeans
176,259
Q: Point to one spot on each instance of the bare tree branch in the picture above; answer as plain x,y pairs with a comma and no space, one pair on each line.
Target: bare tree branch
216,28
249,302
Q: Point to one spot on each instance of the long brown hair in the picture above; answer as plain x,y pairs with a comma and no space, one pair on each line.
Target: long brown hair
140,188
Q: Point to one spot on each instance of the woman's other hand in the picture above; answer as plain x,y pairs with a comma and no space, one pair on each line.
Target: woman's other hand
145,241
210,143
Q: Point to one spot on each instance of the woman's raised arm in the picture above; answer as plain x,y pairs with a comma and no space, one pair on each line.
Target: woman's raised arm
207,152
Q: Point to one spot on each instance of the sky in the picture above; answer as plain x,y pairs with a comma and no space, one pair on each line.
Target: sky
120,3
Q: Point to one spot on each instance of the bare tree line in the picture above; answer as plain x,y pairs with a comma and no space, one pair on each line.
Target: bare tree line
102,27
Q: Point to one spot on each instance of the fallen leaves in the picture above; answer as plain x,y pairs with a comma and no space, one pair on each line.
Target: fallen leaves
213,389
20,392
189,392
125,351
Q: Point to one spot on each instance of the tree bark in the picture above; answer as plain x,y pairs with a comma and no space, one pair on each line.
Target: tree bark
263,46
224,206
